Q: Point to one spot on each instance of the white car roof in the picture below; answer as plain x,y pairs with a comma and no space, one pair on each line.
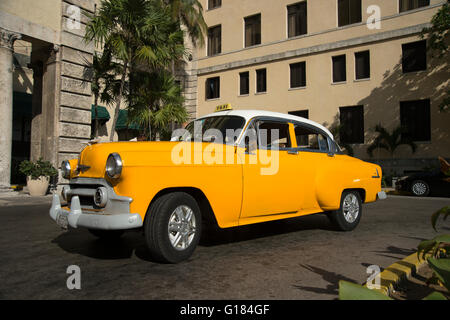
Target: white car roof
250,114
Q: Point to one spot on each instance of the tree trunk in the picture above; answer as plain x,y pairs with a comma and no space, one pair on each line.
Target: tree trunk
149,128
119,100
96,116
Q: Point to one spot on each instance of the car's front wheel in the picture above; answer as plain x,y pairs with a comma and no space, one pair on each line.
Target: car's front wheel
420,188
172,227
347,217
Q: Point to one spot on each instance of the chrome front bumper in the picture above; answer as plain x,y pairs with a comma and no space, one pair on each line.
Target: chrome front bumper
76,218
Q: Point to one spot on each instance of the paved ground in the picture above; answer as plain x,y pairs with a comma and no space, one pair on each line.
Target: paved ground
302,258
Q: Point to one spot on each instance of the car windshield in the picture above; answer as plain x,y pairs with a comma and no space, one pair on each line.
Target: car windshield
219,129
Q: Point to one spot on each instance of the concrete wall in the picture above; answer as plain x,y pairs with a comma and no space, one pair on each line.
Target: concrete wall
46,13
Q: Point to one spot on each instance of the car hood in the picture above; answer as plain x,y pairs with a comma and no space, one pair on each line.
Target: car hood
92,160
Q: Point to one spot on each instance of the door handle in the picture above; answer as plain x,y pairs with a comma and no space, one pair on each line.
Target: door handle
294,152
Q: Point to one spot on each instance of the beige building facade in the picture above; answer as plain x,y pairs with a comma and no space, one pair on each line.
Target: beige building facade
342,63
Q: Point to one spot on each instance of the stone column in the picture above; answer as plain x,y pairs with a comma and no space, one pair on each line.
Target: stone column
35,145
7,39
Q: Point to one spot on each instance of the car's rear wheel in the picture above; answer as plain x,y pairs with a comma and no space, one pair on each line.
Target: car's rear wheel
420,188
173,227
106,234
347,217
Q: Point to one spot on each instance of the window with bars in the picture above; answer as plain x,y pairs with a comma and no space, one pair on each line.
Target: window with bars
298,74
414,56
351,124
415,120
214,40
261,80
406,5
362,65
252,30
339,69
349,12
297,19
244,83
212,88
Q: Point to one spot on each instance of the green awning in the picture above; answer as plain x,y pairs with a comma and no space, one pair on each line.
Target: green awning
102,113
122,122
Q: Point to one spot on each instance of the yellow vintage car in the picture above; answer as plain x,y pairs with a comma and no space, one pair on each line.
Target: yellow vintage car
231,168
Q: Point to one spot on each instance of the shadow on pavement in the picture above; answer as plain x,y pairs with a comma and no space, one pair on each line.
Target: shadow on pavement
83,243
80,241
213,235
399,252
331,277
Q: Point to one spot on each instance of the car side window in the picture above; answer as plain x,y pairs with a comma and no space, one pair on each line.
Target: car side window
273,134
310,139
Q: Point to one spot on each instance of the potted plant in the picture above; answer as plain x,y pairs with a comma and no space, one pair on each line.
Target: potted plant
38,175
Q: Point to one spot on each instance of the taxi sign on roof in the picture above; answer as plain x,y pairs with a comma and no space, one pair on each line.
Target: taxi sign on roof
223,107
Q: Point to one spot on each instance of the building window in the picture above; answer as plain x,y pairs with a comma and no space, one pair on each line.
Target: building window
261,80
298,75
349,12
415,120
362,65
300,113
214,40
339,69
406,5
297,19
213,88
214,4
414,56
351,124
244,83
253,30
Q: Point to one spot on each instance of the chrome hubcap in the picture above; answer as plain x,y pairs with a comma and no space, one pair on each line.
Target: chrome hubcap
350,208
182,227
419,188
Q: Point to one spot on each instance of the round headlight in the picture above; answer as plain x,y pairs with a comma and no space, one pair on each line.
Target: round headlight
114,166
100,197
65,169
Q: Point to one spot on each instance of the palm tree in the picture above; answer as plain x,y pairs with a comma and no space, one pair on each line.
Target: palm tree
390,141
189,13
155,102
138,32
102,73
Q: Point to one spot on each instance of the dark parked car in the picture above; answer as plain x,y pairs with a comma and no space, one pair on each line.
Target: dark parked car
423,184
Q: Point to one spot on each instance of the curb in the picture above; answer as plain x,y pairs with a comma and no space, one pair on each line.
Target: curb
397,272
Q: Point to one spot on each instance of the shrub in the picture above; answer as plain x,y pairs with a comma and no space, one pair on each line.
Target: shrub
37,169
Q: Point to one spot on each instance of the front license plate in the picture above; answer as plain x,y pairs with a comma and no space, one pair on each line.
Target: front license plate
62,221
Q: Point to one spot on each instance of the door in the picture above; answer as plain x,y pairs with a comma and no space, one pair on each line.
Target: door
315,160
270,185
